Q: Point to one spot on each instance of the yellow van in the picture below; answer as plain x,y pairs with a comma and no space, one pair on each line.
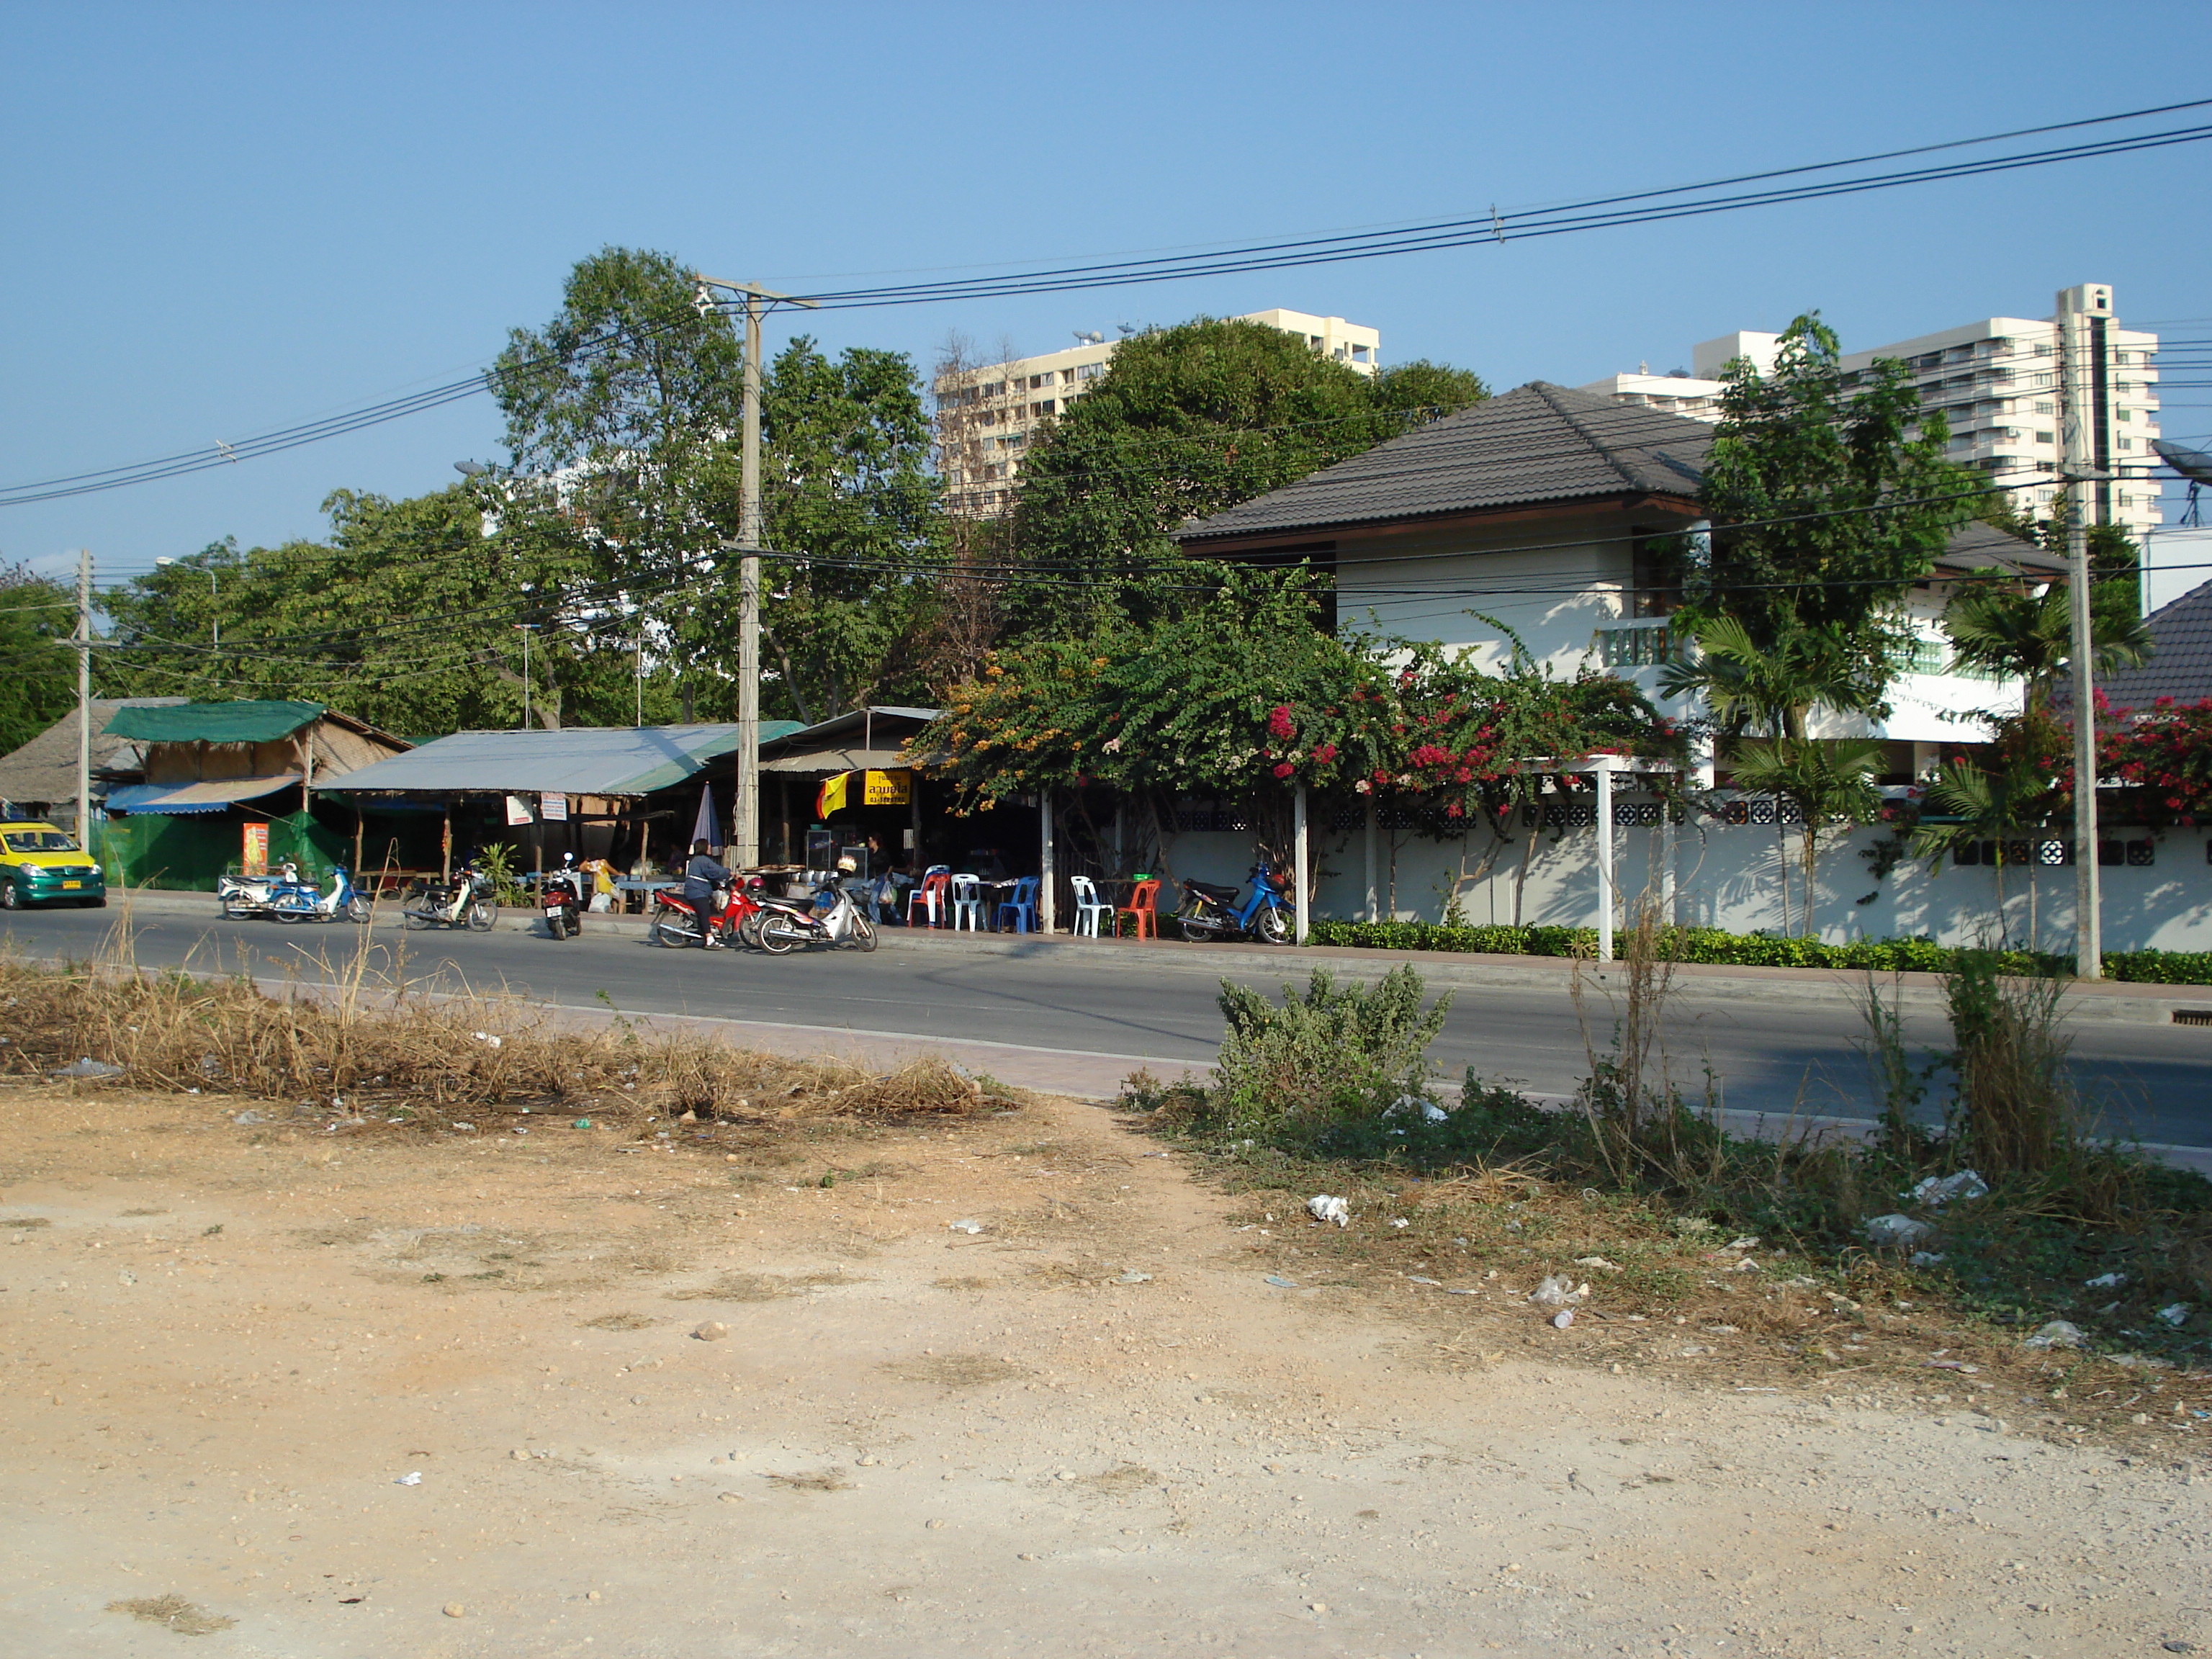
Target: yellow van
40,865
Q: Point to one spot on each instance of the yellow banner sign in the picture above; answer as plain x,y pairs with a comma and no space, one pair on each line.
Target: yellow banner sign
874,789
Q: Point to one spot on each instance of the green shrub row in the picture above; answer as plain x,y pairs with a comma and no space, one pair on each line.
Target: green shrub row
1711,945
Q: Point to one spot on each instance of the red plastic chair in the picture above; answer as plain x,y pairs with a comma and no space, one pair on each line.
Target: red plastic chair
929,897
1142,907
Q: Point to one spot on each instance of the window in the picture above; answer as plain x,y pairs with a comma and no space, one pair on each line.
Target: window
2045,408
1361,354
2046,437
1655,572
2042,377
1090,371
1920,657
2127,414
2127,443
2043,348
1041,410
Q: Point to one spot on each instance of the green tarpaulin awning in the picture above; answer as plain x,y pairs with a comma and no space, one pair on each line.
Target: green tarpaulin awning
244,721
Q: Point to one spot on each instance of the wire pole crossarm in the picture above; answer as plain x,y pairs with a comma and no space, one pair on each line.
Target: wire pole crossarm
745,829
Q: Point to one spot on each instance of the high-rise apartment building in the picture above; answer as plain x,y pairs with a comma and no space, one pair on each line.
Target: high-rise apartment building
1996,379
987,415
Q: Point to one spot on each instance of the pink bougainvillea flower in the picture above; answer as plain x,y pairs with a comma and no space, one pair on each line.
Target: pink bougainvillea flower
1326,753
1278,720
1284,770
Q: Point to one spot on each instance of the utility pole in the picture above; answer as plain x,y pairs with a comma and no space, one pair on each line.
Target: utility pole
745,830
525,627
2084,315
84,700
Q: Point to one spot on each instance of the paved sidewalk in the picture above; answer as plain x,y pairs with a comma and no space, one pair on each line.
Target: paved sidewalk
2106,999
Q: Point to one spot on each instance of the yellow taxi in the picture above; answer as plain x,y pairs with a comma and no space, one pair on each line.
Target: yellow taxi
40,864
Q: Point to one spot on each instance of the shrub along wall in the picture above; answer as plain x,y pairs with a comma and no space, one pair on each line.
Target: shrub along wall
1710,944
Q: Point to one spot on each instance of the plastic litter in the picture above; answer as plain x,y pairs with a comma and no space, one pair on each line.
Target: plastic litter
2058,1333
1748,1242
88,1067
1597,1261
1281,1283
1132,1276
1415,1279
2105,1281
1400,1221
412,1478
1896,1232
469,1128
970,1226
1428,1110
1561,1320
1928,1258
1935,1191
2175,1313
486,1037
249,1117
581,1123
1557,1293
1323,1207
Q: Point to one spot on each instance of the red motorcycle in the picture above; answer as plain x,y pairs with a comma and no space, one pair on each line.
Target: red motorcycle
731,915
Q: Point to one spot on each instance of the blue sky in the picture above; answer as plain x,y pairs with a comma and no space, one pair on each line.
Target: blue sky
230,218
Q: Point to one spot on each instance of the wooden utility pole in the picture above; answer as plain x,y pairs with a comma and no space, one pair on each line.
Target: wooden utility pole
2083,316
84,701
745,831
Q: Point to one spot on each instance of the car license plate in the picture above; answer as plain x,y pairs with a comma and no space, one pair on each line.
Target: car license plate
68,884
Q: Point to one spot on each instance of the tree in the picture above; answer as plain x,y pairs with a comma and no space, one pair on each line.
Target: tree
1825,508
1774,690
37,671
1186,422
2029,636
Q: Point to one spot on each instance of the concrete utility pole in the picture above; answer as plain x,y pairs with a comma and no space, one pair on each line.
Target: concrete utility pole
2084,315
745,831
84,700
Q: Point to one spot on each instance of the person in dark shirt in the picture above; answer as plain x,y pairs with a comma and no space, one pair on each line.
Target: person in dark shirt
701,876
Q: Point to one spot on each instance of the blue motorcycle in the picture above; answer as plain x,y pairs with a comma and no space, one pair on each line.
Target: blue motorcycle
299,900
1213,911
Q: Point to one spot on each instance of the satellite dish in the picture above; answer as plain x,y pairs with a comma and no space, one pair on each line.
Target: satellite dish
2193,464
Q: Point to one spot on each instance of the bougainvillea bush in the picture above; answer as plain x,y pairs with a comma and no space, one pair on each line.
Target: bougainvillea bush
1239,693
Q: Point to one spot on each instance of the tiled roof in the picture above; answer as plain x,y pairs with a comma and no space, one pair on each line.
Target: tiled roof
1538,442
2182,668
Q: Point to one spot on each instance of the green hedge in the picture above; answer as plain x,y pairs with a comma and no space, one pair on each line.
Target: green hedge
1710,944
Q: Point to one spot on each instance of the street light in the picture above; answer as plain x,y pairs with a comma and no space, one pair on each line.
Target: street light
215,622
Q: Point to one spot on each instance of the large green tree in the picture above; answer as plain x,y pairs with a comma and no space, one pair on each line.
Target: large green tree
1185,421
38,672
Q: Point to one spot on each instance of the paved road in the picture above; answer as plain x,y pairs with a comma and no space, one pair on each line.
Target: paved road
1124,1010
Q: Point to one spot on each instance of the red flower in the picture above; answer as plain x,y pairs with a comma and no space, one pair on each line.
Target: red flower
1278,720
1455,811
1326,753
1284,770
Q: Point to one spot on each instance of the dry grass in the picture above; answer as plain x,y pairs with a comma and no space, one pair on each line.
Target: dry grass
958,1371
172,1612
351,1047
758,1287
817,1480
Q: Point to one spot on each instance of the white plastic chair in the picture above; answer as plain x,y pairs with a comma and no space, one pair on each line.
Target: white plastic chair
1088,908
967,904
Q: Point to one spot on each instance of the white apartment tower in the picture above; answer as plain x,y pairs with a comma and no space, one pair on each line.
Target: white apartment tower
987,417
1996,379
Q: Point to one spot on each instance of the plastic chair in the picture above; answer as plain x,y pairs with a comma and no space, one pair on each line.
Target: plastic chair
967,904
930,896
1088,907
1023,905
1143,904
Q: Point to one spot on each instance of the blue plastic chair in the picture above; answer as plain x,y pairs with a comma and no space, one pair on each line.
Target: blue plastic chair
1023,905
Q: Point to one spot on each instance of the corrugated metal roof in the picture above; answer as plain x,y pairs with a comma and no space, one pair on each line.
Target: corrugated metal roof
581,760
1538,442
185,799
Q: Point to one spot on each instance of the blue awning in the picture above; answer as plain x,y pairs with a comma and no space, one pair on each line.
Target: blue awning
189,799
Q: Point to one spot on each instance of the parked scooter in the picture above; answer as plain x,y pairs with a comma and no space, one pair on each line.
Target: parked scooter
298,900
731,914
470,900
1212,911
561,895
241,896
838,916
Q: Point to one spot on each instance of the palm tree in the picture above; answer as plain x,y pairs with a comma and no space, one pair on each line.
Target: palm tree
1773,691
2010,796
2030,637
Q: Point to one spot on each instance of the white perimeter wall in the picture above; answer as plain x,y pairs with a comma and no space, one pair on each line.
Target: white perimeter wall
1729,875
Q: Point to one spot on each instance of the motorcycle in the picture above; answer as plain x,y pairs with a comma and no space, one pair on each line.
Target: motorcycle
837,916
467,902
561,895
1211,910
241,896
732,913
298,900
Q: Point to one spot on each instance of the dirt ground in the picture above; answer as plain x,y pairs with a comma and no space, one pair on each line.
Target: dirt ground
268,1389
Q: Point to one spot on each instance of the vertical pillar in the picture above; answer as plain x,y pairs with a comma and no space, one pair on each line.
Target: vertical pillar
1605,883
1374,898
1667,895
914,859
1301,860
1046,917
